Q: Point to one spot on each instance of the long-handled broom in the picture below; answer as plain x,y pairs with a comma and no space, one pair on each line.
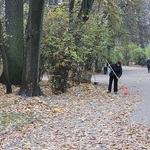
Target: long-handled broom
95,83
123,87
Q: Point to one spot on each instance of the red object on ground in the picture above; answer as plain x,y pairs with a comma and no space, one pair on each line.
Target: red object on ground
125,90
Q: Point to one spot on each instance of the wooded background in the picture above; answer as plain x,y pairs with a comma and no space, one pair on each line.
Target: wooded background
68,40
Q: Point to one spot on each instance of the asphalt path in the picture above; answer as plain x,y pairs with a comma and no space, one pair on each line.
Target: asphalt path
137,81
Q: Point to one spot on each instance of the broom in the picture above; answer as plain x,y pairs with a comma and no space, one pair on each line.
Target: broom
95,80
95,83
123,87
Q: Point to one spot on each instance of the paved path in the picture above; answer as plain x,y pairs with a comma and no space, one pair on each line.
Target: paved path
137,80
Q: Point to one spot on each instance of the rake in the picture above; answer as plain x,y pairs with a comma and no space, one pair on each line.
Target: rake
123,87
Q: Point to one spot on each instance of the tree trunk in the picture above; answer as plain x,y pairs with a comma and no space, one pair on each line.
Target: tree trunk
12,53
71,6
4,77
83,16
30,86
86,6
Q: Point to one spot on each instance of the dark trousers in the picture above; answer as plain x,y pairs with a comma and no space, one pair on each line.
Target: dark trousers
148,69
111,79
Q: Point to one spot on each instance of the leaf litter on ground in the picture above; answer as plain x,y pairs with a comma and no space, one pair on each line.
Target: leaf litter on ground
85,117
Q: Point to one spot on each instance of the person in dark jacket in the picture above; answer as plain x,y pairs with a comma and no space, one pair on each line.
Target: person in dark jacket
148,64
115,74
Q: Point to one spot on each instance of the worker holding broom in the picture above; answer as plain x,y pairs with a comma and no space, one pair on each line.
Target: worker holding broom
115,74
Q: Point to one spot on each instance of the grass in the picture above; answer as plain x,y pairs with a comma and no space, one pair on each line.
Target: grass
12,121
5,105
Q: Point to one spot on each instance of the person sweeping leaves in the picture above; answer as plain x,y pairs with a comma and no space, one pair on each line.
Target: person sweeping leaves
115,74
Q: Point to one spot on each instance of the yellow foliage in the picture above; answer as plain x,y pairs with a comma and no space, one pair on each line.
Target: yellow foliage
57,65
63,64
55,53
106,1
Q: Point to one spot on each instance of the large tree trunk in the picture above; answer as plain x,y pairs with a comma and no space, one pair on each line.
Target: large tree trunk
13,52
30,86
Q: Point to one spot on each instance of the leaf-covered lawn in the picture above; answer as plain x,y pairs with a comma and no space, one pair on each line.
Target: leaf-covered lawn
85,118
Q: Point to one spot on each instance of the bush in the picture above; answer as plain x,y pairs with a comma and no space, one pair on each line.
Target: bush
137,54
147,51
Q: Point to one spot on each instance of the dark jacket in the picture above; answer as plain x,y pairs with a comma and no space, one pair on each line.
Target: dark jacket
148,62
117,70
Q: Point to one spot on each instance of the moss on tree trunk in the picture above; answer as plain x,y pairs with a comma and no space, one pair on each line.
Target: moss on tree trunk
12,49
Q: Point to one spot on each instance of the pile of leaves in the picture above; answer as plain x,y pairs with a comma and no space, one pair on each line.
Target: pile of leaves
85,117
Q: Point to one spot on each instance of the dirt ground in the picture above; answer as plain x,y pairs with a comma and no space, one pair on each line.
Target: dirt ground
137,81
